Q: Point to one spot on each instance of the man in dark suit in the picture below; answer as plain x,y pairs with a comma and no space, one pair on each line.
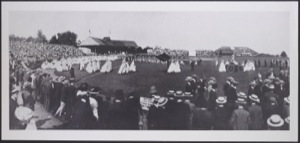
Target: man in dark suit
212,95
72,72
117,112
227,85
132,107
202,118
182,112
221,115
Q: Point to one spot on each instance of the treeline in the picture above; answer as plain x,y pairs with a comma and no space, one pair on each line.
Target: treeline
64,38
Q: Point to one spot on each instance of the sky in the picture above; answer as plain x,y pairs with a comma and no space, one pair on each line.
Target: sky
264,32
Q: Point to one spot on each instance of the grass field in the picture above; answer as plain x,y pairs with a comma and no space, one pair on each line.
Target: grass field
155,74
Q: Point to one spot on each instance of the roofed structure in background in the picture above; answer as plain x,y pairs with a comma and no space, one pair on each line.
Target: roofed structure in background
106,41
224,51
244,51
106,45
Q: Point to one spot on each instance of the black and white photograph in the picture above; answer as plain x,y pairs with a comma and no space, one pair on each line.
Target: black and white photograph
150,68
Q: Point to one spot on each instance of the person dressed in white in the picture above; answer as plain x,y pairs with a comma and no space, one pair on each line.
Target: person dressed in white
59,67
124,68
171,68
222,67
249,66
132,67
107,67
89,67
82,64
177,67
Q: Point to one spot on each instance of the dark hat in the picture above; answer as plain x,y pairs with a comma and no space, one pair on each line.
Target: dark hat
95,90
119,94
84,86
72,79
153,90
272,99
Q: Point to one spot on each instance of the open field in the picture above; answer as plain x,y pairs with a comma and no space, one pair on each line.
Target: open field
155,74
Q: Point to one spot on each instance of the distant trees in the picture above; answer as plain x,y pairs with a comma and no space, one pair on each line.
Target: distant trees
41,38
283,54
53,40
65,38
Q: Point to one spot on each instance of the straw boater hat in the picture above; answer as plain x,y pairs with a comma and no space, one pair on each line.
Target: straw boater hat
253,83
281,82
267,81
195,76
213,79
234,82
271,86
287,119
162,101
254,98
230,78
211,82
241,101
23,113
179,94
221,100
171,92
242,95
275,121
188,95
189,78
66,82
61,78
287,100
153,90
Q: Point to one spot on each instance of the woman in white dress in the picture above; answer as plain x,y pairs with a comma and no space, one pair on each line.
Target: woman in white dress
132,67
104,67
82,64
124,68
177,67
222,67
89,67
171,68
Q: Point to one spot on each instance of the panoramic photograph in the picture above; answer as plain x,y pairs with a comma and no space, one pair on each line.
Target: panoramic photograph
153,70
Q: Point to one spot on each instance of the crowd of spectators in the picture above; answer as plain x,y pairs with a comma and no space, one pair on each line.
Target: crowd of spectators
29,51
174,53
